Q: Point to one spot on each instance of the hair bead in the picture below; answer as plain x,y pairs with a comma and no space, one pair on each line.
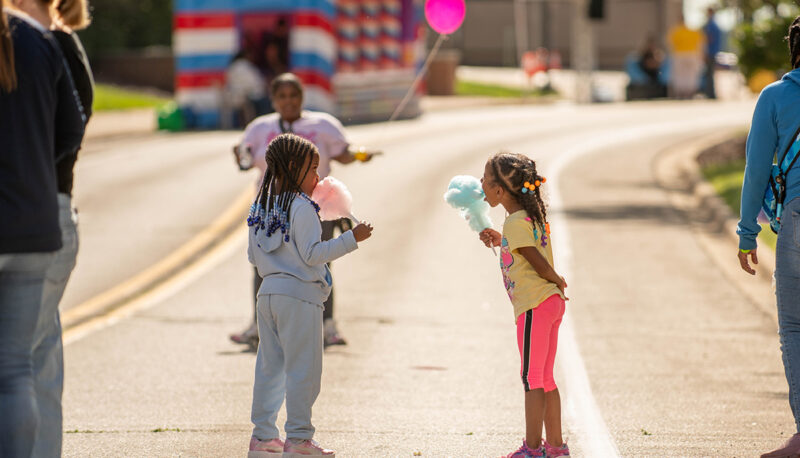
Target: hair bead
286,155
517,175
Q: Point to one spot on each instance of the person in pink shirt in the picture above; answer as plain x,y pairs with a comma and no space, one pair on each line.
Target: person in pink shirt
327,134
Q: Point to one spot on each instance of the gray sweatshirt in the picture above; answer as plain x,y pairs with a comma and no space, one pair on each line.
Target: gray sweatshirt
297,268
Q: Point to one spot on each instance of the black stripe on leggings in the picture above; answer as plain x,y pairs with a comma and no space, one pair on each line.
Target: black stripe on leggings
526,349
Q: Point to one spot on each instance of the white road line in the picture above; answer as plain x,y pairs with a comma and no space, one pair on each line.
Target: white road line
581,410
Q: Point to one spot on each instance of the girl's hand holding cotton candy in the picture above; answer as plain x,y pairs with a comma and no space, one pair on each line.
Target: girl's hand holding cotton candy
362,232
490,237
466,194
334,200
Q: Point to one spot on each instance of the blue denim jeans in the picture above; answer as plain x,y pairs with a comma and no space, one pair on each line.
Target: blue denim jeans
48,352
21,283
787,280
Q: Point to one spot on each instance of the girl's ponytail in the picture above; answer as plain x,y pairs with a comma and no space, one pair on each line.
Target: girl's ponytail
73,13
8,74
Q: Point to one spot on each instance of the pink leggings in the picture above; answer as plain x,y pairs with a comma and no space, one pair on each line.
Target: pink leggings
537,337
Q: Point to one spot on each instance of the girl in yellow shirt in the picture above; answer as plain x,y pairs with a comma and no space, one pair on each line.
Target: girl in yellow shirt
536,292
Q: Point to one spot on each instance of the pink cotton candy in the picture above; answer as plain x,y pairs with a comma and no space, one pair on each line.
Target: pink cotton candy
334,200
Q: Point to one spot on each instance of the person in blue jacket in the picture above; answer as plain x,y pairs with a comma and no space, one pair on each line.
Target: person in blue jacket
713,46
775,121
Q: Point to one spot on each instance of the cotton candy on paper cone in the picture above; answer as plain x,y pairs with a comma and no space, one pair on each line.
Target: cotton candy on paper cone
334,200
466,194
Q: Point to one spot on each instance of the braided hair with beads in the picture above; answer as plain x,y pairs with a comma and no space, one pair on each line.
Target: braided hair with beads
289,160
517,175
794,42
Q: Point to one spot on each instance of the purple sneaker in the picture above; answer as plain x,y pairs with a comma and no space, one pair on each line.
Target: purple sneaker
790,449
307,447
553,452
265,449
527,452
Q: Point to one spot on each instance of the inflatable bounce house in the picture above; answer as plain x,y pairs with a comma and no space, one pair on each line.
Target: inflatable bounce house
356,58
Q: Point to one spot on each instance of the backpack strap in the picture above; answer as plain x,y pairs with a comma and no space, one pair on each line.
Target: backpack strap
793,149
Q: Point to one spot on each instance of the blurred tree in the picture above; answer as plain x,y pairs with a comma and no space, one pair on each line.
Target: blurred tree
761,41
119,25
749,7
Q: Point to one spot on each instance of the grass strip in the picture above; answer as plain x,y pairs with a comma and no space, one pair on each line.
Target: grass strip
727,178
108,98
471,88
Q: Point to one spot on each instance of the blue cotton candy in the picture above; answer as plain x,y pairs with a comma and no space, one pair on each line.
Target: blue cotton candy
465,193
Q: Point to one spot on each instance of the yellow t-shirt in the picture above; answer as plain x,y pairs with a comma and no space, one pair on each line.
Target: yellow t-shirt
685,40
525,287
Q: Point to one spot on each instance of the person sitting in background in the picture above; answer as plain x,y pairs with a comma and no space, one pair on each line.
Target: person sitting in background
245,89
647,71
650,59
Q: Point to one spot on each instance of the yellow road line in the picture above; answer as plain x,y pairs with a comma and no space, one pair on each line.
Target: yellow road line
164,290
190,253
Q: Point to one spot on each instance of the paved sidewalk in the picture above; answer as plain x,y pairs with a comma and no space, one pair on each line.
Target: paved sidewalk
109,124
608,84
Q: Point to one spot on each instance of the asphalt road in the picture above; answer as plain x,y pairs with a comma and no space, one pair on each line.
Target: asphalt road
140,198
661,355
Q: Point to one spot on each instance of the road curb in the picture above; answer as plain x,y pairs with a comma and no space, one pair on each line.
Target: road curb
678,173
164,270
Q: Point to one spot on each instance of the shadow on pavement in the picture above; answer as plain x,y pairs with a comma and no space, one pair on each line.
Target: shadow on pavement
656,214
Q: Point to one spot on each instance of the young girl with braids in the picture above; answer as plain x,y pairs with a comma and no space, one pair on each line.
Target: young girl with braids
285,246
536,292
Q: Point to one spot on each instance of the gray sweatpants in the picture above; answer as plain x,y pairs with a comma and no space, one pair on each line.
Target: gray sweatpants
288,365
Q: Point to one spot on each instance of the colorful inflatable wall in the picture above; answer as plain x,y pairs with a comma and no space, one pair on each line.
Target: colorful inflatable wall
356,58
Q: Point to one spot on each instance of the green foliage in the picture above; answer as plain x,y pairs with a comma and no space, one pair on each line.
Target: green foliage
762,44
127,24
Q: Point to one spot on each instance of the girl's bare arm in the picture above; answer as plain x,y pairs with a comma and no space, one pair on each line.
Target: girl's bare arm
542,267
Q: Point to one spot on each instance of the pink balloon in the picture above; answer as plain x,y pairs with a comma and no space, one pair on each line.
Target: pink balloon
445,16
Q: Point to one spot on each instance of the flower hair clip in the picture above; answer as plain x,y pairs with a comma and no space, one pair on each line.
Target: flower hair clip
530,187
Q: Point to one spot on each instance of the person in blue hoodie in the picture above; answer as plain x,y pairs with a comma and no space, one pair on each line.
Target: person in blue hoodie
285,246
775,121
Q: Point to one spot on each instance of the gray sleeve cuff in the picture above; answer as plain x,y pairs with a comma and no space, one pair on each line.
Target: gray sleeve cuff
350,241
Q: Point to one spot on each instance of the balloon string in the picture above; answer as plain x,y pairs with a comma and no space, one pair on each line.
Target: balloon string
421,73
